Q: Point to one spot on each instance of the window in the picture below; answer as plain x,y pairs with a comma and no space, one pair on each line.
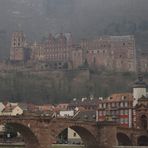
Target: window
109,105
74,134
113,112
100,113
95,51
100,105
121,104
126,104
121,112
104,105
117,104
126,112
121,120
113,104
126,120
104,113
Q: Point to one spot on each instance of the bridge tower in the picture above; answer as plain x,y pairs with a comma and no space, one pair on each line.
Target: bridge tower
139,89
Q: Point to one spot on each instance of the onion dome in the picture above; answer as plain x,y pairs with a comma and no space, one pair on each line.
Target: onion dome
139,83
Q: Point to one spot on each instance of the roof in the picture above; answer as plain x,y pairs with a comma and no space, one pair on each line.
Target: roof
118,38
46,107
86,115
23,106
139,83
120,97
9,108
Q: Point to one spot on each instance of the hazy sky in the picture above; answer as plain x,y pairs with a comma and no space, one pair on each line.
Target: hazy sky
38,17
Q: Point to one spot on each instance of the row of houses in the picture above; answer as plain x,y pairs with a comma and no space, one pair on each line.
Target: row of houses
119,107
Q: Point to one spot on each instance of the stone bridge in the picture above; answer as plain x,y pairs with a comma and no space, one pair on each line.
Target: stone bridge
41,132
132,137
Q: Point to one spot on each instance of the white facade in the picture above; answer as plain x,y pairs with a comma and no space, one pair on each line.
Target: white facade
2,106
15,111
130,118
73,137
138,93
68,113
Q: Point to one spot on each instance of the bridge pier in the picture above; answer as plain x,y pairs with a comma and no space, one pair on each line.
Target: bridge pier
134,139
107,136
32,145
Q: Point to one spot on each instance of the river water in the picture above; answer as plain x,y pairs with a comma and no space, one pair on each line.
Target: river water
62,146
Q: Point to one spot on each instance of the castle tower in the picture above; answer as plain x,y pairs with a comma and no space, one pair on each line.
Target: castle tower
139,89
17,46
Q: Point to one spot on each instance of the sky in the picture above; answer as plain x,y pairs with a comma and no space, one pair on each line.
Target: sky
81,17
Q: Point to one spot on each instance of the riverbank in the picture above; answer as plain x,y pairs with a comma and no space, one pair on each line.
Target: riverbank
22,145
66,146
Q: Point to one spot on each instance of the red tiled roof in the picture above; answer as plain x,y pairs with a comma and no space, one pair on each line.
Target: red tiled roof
120,97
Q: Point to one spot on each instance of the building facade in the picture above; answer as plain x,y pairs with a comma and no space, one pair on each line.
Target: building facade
55,52
115,53
126,109
143,61
118,108
17,46
112,52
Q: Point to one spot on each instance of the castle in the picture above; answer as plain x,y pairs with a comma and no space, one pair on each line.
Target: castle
115,53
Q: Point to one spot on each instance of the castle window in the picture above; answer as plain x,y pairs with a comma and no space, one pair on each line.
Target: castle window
95,51
129,66
123,44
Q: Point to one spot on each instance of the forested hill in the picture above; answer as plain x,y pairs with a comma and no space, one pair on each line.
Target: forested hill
61,86
83,18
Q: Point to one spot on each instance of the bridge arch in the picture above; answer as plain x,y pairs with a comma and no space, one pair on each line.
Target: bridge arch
28,136
142,140
86,135
123,139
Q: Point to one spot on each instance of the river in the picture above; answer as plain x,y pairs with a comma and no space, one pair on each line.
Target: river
54,146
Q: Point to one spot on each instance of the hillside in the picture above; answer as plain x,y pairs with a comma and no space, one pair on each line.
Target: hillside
61,86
